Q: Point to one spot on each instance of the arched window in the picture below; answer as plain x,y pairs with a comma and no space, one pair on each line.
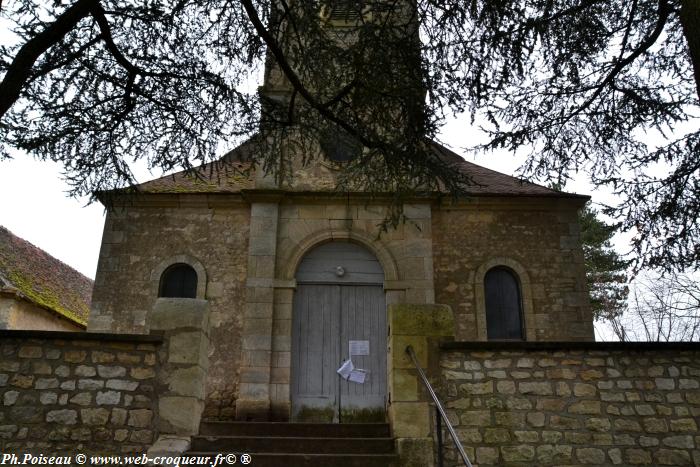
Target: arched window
503,305
178,281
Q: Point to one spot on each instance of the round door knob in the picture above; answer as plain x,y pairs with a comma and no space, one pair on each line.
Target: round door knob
339,271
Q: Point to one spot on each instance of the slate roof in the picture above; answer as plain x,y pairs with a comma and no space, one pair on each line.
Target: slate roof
30,273
232,174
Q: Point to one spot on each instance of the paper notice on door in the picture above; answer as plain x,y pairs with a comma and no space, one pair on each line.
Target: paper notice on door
346,369
358,376
359,348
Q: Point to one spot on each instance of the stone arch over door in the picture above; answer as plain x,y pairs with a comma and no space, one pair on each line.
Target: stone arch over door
364,240
339,298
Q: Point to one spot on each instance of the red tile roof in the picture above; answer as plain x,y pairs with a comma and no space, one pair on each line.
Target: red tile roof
34,275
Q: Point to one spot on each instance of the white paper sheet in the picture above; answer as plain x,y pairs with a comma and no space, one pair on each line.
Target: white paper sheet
346,369
358,376
359,348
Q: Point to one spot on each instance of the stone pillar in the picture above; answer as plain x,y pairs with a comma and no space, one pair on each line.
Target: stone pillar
183,371
254,393
423,327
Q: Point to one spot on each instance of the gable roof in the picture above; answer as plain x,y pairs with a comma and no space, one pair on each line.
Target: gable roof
234,173
30,273
488,182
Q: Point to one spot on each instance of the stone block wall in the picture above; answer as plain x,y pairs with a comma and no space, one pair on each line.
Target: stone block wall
151,230
538,239
606,404
76,392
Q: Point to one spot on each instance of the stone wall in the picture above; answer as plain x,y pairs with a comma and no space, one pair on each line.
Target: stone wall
538,239
20,314
140,239
76,392
524,404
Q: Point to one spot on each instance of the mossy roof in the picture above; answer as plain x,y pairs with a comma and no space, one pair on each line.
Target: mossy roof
34,275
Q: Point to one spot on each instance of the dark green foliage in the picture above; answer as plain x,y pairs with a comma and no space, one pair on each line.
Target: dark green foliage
605,269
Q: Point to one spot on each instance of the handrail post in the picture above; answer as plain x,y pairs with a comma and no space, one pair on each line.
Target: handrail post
438,422
438,406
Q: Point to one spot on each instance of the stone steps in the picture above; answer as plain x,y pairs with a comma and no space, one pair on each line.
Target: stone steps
324,430
298,444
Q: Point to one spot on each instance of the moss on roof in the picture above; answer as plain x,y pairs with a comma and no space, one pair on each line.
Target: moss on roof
38,277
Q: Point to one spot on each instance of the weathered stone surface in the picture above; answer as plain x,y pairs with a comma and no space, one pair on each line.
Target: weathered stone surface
10,397
684,424
547,453
538,388
681,442
65,417
111,371
672,457
74,356
140,418
638,456
46,383
30,351
82,398
22,381
142,373
94,416
85,371
477,388
97,356
590,455
108,398
496,435
520,453
585,407
118,416
122,385
47,398
487,455
180,415
90,384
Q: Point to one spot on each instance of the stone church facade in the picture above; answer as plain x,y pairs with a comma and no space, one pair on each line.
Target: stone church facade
246,238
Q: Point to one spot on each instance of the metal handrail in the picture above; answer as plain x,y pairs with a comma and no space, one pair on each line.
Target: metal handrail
438,406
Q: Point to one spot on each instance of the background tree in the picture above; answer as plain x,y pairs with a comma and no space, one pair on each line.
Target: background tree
661,309
605,268
575,83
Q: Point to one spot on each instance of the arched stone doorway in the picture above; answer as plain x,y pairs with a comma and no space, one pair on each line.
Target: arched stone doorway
339,298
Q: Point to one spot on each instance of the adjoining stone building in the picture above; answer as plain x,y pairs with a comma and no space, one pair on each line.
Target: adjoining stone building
37,291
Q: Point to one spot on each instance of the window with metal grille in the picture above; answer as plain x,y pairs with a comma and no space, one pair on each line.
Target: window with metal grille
503,305
178,281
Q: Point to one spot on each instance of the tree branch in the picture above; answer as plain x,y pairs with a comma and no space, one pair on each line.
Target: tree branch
292,77
20,70
690,20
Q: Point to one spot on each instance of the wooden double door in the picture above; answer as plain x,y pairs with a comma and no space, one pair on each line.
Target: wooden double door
326,318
